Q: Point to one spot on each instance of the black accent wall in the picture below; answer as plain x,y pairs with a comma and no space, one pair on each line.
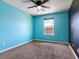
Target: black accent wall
74,26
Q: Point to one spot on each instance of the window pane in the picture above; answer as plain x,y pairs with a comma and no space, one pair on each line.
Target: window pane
49,27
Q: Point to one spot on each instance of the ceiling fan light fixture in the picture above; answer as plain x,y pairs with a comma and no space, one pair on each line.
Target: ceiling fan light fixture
39,7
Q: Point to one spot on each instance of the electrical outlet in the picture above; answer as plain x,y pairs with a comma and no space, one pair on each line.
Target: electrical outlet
61,38
72,44
3,44
77,50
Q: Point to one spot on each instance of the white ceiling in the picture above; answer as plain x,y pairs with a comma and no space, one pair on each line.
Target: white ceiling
56,6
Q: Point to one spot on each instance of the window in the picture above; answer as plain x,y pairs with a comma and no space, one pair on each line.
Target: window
49,27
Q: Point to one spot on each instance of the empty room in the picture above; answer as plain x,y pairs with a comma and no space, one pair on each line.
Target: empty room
39,29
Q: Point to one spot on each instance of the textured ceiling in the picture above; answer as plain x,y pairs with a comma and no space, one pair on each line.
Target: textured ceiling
56,6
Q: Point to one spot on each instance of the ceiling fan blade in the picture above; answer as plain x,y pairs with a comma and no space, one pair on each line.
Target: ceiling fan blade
45,6
31,7
25,1
45,1
33,1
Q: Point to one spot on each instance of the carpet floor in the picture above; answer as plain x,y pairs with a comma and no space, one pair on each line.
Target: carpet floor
39,50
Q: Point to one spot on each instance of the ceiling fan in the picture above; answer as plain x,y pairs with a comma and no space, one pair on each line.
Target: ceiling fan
39,4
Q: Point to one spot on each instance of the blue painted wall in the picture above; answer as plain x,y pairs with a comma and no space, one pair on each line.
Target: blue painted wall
74,26
15,26
61,27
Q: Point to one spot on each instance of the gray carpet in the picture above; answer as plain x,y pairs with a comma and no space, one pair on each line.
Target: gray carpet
39,50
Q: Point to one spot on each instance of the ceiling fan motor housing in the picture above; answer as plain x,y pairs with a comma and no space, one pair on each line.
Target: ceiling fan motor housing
39,2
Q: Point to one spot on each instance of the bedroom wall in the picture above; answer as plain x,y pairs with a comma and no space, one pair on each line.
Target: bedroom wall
15,27
60,27
74,26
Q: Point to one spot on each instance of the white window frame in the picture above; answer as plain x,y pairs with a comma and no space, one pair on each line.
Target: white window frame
49,24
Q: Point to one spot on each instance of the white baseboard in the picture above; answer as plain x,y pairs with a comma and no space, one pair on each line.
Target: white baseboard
73,52
14,46
53,41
